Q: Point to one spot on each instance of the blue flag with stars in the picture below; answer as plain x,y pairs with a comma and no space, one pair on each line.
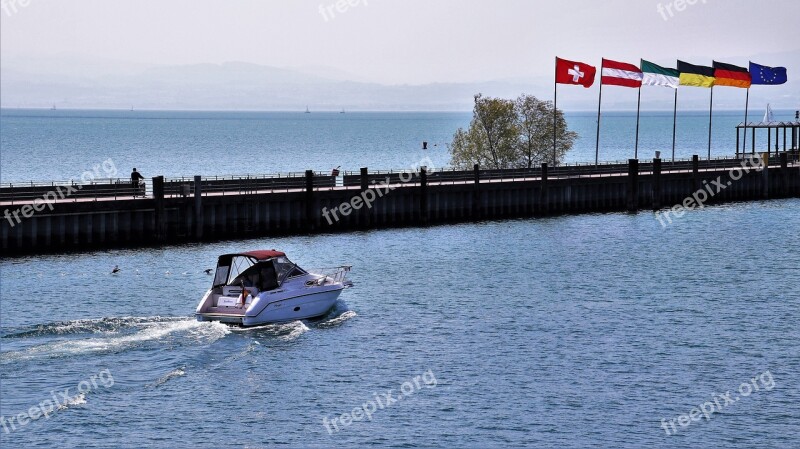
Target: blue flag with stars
762,74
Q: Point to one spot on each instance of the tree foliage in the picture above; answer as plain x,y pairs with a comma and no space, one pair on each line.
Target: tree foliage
511,134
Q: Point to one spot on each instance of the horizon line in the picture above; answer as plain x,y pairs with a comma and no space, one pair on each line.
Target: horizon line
339,111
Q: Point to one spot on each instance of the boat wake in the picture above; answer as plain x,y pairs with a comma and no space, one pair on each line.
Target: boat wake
108,335
337,320
75,401
283,331
118,334
87,326
178,372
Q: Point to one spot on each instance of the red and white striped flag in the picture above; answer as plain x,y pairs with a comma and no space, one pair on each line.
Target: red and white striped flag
620,74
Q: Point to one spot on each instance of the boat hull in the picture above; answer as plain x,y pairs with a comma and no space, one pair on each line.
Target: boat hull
301,307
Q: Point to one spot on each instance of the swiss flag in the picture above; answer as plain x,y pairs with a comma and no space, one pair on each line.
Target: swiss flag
571,72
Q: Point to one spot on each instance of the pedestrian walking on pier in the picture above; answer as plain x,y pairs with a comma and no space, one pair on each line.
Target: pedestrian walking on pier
136,178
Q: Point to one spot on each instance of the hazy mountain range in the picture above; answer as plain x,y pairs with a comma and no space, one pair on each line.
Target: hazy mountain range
244,86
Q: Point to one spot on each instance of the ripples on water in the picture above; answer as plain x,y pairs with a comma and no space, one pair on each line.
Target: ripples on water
567,331
174,143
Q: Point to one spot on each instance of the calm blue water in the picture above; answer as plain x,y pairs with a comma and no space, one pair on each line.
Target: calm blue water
56,145
571,331
562,332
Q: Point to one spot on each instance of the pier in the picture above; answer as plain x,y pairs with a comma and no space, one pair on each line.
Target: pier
111,213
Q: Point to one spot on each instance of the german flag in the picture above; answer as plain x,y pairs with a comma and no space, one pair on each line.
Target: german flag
695,75
731,75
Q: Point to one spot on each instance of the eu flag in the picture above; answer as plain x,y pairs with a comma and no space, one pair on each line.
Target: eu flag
762,74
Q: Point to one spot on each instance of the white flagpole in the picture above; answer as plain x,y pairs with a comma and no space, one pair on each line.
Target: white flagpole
599,101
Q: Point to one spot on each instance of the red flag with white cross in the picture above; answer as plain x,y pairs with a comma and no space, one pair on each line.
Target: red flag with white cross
571,72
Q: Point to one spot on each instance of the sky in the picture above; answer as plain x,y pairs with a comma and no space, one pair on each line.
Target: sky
397,41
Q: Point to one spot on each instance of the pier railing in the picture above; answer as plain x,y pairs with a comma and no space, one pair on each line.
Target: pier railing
71,190
245,184
574,170
116,188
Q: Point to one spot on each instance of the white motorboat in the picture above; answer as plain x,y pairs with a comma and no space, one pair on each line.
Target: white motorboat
262,287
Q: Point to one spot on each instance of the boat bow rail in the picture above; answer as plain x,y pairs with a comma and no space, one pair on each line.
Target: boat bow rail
336,274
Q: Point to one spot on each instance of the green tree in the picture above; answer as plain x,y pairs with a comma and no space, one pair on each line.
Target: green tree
491,139
511,134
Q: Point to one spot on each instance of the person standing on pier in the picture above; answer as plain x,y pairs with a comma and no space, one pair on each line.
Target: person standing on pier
136,177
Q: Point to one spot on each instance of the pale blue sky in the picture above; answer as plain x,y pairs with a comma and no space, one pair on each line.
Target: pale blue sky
53,49
400,41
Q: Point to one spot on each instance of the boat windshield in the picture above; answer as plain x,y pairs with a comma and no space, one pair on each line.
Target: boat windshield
286,269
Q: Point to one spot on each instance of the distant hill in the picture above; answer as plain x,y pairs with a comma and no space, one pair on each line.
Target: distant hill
246,86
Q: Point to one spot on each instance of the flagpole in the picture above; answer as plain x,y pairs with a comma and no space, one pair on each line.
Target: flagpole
638,107
710,109
599,102
674,123
555,108
746,108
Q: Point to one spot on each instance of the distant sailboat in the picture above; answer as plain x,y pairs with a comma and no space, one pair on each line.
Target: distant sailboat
342,111
768,116
307,111
54,107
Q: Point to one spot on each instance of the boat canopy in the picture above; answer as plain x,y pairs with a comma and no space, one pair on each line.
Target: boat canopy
262,254
233,268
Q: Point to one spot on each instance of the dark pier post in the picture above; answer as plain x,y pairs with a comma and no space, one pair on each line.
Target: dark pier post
633,185
784,138
160,211
310,217
765,174
423,195
769,141
476,192
695,173
784,174
198,208
366,212
544,198
657,183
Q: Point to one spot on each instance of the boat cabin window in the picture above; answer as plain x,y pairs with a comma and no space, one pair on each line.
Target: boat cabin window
221,278
286,268
264,275
261,275
229,268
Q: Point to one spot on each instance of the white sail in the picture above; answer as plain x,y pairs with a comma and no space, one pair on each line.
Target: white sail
768,116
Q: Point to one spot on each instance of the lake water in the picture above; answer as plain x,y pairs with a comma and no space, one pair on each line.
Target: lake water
570,331
59,145
574,331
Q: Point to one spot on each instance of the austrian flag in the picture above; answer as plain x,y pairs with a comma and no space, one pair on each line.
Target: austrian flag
571,72
620,74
